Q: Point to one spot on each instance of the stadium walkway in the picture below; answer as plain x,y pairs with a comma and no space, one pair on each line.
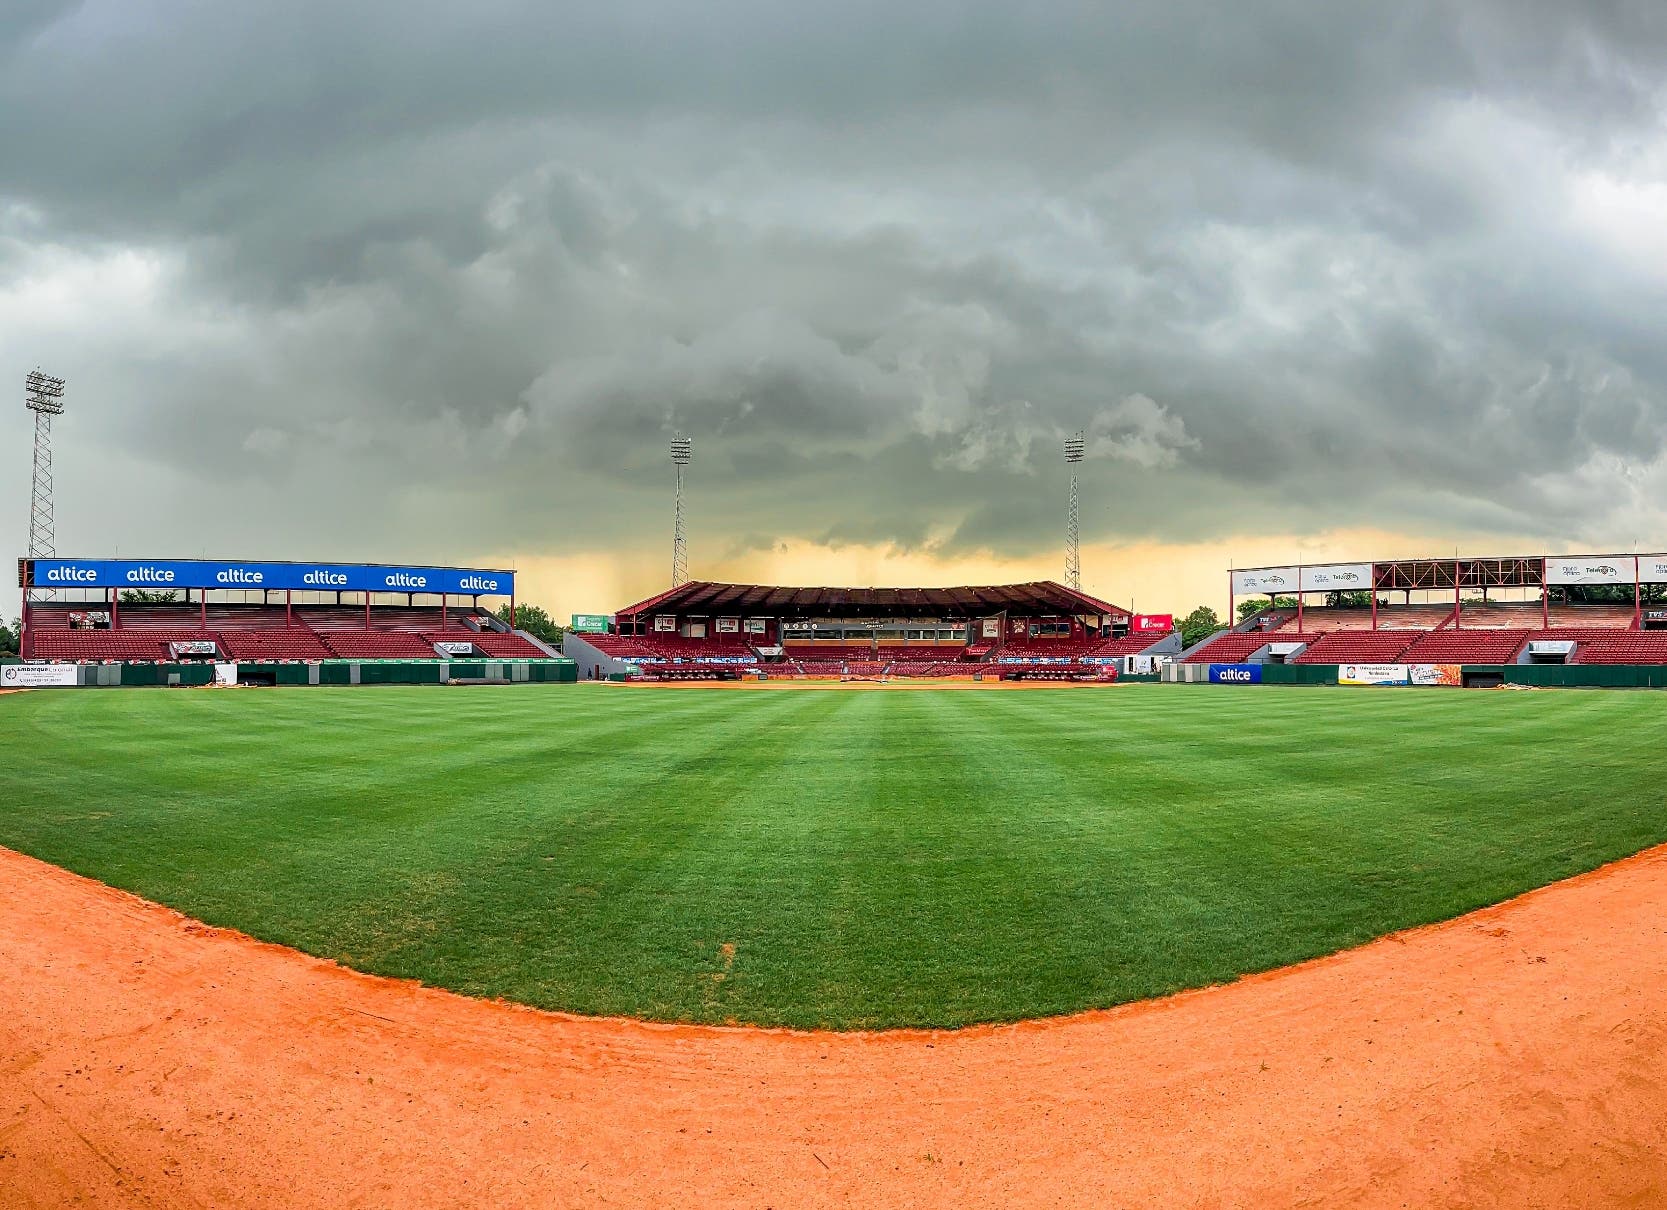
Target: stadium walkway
1511,1058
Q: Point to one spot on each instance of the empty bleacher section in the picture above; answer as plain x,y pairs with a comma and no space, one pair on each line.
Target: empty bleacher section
1615,646
1020,629
279,644
146,643
1451,646
1235,647
102,627
1357,647
378,645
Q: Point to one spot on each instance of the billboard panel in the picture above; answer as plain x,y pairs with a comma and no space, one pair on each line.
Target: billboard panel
309,577
1652,569
1436,674
1589,569
1268,580
1152,623
1235,674
39,676
590,623
1337,577
1372,674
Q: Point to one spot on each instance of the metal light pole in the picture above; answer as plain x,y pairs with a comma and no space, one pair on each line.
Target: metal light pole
1074,447
44,396
681,450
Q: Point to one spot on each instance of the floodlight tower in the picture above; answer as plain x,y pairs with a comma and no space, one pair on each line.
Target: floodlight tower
681,450
1074,447
44,396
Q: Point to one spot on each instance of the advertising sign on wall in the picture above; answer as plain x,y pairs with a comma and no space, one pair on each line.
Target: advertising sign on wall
729,625
1152,623
1235,674
1269,580
225,674
590,623
38,676
309,577
1372,674
990,628
1337,577
758,625
449,647
664,623
1437,674
1589,569
1652,569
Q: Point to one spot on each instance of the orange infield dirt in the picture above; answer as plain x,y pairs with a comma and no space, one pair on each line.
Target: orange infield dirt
1516,1057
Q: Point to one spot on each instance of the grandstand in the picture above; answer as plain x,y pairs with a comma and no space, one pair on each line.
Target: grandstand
1582,609
369,612
711,631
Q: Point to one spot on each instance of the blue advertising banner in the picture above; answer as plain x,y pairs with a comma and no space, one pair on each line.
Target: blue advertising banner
308,577
1235,674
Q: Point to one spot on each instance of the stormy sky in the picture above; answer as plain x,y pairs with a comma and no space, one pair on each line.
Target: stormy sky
437,282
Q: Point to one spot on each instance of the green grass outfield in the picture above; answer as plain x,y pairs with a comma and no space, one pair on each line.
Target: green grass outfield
828,858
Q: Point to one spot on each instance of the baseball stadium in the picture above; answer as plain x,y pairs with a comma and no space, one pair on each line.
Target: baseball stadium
1152,696
381,810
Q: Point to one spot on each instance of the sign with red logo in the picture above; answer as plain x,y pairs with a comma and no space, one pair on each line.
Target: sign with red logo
1151,623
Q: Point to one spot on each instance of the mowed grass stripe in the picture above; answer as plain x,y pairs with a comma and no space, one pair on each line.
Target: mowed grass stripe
825,858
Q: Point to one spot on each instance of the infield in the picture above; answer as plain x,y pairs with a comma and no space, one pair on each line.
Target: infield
824,858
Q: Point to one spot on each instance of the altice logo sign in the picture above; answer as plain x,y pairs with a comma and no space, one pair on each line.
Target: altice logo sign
72,574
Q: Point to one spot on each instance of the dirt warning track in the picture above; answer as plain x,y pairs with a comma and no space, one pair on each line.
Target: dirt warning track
1516,1057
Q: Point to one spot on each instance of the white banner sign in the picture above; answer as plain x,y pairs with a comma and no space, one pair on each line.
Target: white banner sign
38,676
448,647
1589,569
225,674
1337,577
1371,674
1270,580
1652,569
1437,674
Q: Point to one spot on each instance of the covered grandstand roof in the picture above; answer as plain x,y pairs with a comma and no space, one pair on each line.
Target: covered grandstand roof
1041,598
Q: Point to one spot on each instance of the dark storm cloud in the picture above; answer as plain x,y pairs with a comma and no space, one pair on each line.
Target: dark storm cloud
379,271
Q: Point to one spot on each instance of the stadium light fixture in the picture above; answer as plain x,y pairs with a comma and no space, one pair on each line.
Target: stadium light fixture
682,451
43,394
1075,449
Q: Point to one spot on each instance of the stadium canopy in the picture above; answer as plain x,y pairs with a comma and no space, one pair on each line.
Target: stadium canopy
1041,598
1459,572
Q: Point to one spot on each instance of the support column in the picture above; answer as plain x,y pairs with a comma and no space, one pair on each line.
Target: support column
1299,598
1545,595
26,641
289,608
512,625
1637,596
1372,580
1232,604
115,609
1458,602
442,611
202,608
367,610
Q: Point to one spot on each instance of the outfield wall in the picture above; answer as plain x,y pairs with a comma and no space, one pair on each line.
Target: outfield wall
327,672
1547,676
